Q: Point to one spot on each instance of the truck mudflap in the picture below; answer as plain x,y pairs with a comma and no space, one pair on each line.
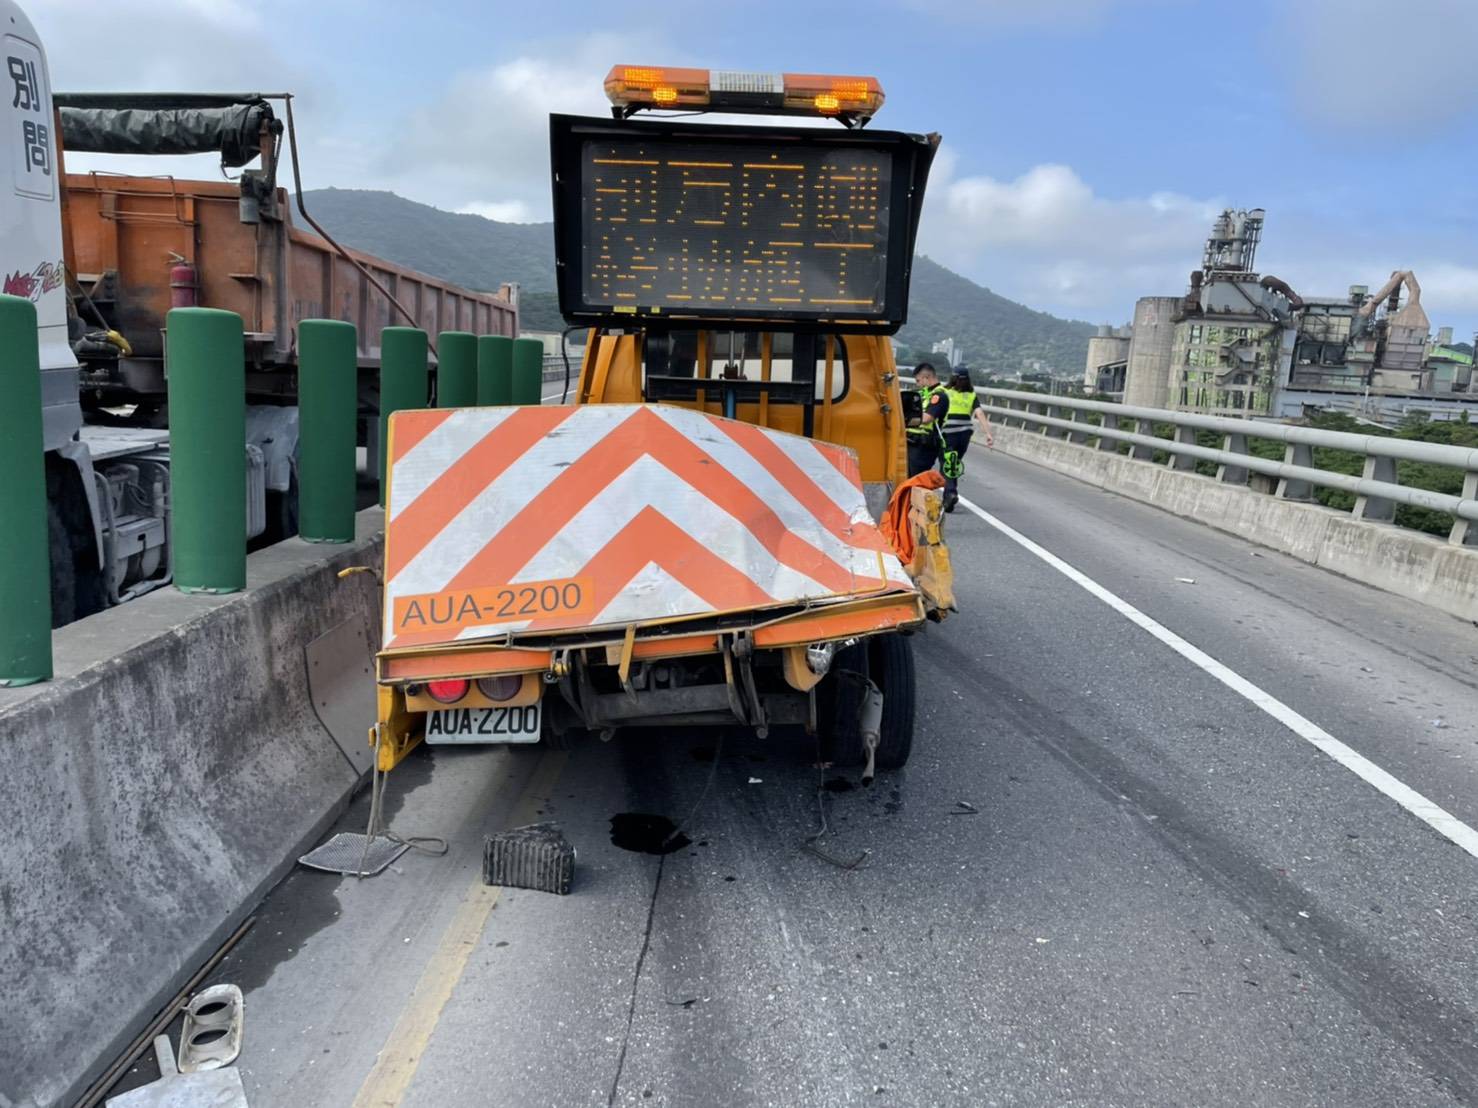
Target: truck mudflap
506,523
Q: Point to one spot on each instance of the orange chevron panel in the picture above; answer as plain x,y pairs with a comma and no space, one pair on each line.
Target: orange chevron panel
658,512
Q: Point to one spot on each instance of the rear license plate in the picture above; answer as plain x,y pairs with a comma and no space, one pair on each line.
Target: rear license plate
484,725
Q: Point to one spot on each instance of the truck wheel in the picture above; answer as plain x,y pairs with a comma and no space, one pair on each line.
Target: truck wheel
63,569
886,660
892,668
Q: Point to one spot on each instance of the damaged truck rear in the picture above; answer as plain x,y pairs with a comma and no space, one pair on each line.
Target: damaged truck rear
718,529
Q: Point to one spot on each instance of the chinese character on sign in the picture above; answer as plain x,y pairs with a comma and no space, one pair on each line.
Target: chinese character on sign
38,150
27,95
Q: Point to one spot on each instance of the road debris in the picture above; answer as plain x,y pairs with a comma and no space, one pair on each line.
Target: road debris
965,808
537,856
1186,580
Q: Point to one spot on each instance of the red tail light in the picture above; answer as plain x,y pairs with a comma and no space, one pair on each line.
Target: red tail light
447,692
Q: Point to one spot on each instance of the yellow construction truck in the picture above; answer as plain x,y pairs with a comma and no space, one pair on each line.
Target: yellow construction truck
709,533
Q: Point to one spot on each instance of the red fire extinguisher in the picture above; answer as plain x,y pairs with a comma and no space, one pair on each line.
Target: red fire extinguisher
184,284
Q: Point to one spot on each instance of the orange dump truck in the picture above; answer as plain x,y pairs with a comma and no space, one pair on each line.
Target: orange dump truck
695,539
119,252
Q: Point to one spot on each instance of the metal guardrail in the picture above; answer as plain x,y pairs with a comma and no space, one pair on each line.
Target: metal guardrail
1377,490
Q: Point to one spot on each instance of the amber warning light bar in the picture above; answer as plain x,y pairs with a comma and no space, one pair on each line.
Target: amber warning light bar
634,88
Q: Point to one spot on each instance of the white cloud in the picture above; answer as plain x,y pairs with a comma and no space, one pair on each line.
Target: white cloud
1389,72
148,45
485,142
1048,240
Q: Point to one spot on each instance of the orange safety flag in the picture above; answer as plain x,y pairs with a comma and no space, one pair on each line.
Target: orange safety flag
894,525
504,520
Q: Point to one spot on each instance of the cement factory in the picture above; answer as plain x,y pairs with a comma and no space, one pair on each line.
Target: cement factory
1241,344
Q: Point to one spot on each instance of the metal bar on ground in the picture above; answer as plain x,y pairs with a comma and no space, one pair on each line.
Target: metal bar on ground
25,564
207,447
327,421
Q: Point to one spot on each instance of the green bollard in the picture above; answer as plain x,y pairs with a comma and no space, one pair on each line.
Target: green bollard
403,377
328,387
494,369
25,562
456,371
207,449
528,370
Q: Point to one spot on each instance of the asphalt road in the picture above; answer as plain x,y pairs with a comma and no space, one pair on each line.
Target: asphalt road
1163,895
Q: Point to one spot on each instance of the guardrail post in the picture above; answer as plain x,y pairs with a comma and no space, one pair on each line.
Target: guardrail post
1374,508
1233,475
456,369
494,369
1186,436
527,378
25,562
1138,452
1052,411
403,381
1296,454
207,448
328,374
1078,438
1465,531
1110,422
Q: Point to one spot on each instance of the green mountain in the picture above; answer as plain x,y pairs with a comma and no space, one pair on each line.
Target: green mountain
998,335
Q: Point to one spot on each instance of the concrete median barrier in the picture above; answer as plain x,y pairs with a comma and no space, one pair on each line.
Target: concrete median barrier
155,790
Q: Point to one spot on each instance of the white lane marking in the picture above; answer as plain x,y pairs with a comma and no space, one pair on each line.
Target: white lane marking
1435,816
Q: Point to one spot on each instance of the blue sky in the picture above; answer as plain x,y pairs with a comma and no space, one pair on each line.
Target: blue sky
1088,143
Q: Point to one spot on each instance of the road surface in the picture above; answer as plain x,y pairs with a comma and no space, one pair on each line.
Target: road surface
1159,893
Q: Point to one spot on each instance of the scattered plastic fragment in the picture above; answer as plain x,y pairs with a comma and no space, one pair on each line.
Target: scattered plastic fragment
1186,580
1440,723
964,808
756,780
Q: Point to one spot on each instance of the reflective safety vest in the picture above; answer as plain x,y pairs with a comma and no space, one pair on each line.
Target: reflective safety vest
961,405
924,395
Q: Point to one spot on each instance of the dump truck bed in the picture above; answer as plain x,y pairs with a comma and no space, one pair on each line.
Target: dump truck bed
124,230
517,524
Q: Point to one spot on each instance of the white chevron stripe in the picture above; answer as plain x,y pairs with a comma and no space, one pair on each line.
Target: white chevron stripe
438,451
649,589
794,515
816,465
647,483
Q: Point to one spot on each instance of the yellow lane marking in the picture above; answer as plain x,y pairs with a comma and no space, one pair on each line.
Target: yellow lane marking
401,1055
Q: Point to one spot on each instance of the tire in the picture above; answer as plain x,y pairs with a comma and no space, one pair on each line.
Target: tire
887,660
890,659
63,568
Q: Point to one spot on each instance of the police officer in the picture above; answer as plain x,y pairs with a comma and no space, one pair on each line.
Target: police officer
924,442
962,415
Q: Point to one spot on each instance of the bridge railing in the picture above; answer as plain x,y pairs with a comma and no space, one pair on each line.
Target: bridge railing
1377,490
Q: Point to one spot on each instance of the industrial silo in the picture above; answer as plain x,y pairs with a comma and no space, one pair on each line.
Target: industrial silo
1147,383
1104,348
